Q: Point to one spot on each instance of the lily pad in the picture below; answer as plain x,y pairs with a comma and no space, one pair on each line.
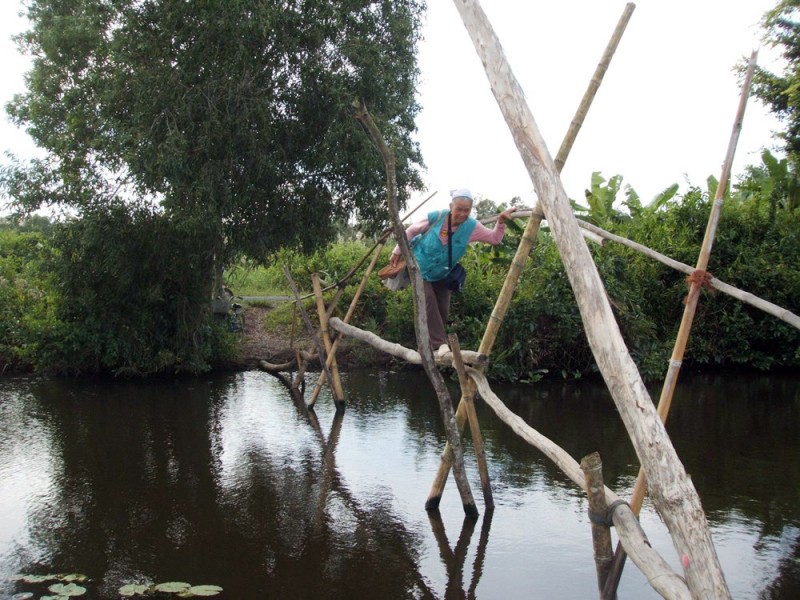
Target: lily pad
68,590
38,578
132,589
22,596
79,577
173,587
204,590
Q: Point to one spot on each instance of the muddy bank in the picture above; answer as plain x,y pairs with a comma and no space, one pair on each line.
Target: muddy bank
277,346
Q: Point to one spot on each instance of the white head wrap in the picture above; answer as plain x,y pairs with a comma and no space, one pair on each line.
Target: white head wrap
461,193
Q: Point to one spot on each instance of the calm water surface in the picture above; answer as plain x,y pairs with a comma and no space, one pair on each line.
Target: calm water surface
224,481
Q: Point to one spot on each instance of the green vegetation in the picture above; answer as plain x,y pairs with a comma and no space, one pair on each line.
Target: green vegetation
757,249
190,140
182,137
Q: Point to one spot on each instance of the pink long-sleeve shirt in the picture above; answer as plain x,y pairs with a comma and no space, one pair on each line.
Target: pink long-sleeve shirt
481,233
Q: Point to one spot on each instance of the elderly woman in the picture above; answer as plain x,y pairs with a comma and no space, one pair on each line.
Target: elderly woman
436,257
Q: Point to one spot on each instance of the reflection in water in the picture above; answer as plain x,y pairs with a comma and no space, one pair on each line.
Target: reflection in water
227,481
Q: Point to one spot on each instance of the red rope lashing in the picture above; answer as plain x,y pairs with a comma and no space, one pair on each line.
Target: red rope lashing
702,279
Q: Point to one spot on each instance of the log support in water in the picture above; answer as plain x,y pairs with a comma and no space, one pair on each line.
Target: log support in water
592,468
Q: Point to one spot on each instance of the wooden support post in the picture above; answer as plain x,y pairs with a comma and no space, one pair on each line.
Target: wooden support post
350,311
671,378
673,492
310,329
468,391
330,361
420,317
526,246
592,468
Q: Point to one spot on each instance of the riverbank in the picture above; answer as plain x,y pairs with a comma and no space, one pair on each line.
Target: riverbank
276,345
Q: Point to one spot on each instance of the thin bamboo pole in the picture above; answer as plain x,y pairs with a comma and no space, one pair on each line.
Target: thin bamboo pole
674,494
524,249
671,379
310,329
781,313
467,395
347,317
592,468
333,367
594,84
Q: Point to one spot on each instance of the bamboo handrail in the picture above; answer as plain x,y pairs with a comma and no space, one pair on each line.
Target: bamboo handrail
682,340
525,246
784,314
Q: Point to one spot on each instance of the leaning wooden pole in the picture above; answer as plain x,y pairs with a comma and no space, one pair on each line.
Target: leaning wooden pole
468,392
524,250
672,491
697,280
420,316
347,317
330,361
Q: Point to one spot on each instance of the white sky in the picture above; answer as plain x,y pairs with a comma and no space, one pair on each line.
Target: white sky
664,112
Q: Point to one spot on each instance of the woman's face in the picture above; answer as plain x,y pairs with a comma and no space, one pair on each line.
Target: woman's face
460,209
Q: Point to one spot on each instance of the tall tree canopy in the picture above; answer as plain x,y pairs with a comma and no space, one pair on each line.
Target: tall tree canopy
233,115
781,91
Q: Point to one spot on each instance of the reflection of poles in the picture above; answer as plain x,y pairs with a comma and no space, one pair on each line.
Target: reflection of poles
480,554
697,280
453,560
525,247
310,329
328,467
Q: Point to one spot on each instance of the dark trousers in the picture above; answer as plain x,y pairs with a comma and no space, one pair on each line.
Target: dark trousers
437,302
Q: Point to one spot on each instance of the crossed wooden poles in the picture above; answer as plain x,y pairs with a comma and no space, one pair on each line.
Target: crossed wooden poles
673,494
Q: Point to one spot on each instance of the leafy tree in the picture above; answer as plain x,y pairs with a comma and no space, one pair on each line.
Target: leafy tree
233,115
780,92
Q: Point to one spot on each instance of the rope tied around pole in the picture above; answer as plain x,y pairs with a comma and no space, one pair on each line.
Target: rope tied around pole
702,279
607,519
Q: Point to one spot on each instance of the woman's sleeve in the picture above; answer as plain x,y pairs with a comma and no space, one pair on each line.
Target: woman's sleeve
494,236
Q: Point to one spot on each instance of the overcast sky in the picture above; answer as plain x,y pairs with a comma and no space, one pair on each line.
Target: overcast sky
664,112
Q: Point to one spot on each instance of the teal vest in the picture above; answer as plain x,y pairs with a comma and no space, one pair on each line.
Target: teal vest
431,254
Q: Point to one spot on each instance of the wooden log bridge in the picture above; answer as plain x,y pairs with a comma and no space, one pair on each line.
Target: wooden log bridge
672,491
662,577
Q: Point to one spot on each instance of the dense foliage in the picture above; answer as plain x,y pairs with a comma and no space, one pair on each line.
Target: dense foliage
97,295
757,249
183,135
231,113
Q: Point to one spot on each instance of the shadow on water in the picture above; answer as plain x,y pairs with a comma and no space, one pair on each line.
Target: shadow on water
227,481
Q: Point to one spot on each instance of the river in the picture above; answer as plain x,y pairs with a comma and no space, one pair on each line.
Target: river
223,481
